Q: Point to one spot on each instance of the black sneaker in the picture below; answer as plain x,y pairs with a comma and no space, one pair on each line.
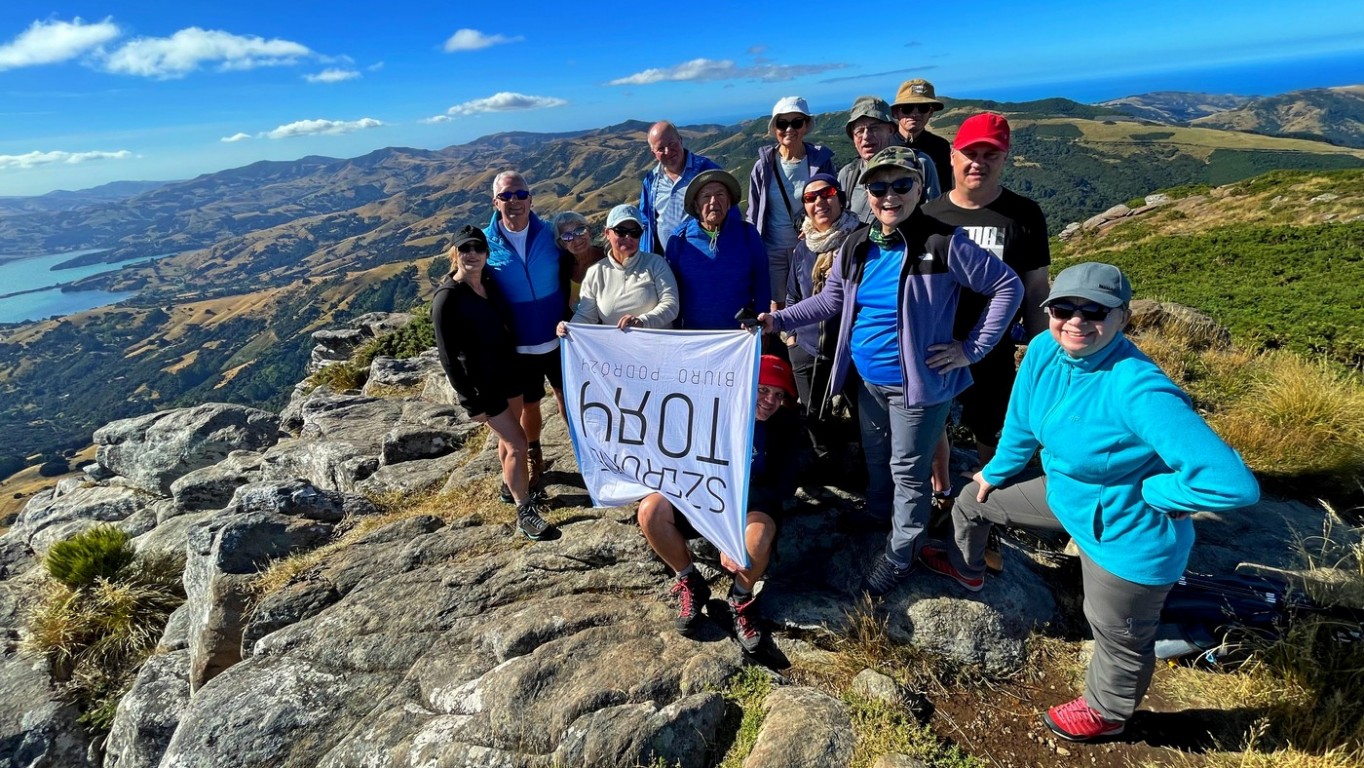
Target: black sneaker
883,577
745,616
692,592
529,522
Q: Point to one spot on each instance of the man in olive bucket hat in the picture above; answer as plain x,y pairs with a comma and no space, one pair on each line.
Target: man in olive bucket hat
914,104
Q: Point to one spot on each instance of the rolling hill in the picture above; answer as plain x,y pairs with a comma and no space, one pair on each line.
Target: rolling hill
1329,114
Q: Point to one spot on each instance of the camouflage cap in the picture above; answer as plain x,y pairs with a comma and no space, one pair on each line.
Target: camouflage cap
903,158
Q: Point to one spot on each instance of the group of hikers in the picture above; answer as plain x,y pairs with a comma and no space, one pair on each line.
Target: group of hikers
886,290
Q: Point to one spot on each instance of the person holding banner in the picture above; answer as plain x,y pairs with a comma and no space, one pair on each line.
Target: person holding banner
717,257
895,287
477,349
630,288
776,463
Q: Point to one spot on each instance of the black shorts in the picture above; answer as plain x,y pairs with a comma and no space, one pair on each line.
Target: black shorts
689,531
535,369
985,402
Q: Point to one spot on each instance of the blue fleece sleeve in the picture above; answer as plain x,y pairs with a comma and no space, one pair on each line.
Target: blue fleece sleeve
1017,441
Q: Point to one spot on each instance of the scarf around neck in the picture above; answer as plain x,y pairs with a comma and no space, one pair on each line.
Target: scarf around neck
825,244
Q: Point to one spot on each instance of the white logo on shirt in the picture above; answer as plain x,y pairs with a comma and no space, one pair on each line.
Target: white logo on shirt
989,238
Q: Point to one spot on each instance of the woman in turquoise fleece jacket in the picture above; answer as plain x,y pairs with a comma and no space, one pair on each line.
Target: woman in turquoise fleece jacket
1126,460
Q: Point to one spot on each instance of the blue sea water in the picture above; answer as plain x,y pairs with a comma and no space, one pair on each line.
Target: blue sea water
36,272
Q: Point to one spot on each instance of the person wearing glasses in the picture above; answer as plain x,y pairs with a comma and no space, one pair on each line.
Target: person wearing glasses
894,289
872,129
827,225
914,104
717,257
575,240
524,257
631,288
1125,461
773,186
477,347
662,195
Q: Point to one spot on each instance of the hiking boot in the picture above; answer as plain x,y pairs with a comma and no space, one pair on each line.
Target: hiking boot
692,593
506,495
1077,721
537,465
941,514
745,615
530,523
994,552
936,560
883,577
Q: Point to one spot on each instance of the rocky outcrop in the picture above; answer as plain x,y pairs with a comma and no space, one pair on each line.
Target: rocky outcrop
151,452
804,726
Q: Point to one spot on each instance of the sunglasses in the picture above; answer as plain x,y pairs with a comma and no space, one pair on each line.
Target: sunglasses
899,186
1091,312
570,235
634,232
473,248
911,109
826,193
795,123
520,194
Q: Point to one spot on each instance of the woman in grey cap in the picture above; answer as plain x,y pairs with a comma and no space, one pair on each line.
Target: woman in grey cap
1126,459
773,186
629,288
575,242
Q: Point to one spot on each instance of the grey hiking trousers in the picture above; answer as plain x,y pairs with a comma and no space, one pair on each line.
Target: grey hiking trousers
1123,615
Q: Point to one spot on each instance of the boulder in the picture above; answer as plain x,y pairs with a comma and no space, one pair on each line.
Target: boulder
805,727
152,451
388,374
150,712
381,323
1177,321
410,441
49,517
212,487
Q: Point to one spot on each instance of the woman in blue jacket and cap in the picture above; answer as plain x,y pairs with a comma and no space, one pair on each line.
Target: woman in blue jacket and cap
1126,461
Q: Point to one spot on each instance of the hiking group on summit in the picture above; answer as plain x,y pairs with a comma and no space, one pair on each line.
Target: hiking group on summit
885,290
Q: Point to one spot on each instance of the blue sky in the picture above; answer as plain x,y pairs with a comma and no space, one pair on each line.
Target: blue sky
91,92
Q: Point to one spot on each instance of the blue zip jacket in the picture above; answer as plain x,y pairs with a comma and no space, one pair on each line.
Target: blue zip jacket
939,261
531,287
818,159
1124,451
713,286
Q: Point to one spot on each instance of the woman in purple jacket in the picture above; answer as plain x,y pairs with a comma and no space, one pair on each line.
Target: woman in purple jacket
775,183
894,288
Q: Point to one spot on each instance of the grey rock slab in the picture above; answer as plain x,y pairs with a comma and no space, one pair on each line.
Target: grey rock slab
212,487
407,442
381,323
335,465
412,476
149,713
154,450
805,727
390,373
630,735
1272,533
48,518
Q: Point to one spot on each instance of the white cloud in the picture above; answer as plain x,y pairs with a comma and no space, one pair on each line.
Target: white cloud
332,76
187,50
472,40
55,41
709,70
236,137
502,102
34,159
321,128
436,119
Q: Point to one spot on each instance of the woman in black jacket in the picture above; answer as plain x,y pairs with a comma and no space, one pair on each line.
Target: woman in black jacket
477,350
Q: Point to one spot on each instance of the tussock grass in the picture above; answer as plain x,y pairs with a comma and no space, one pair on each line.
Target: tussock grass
1305,686
339,377
99,553
96,629
883,728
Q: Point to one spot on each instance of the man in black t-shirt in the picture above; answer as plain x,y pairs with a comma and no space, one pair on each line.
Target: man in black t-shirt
914,104
1011,227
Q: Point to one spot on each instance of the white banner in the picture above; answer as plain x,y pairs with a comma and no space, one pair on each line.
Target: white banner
668,412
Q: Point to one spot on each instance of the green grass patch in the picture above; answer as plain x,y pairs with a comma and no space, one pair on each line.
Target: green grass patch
883,728
747,690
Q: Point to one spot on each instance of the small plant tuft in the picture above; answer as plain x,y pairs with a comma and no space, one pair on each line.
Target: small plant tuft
747,690
98,553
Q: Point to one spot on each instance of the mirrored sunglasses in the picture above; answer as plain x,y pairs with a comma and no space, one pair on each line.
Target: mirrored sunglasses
826,193
520,194
570,235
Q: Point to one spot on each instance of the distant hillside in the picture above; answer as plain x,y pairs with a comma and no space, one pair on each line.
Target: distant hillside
64,200
1326,114
1175,106
1278,259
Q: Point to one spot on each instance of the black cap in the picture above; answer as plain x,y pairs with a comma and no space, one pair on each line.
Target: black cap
469,234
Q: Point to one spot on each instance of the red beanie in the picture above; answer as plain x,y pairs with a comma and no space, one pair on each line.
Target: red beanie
776,372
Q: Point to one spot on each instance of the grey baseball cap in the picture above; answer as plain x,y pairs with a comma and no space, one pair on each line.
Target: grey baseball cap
868,106
1103,284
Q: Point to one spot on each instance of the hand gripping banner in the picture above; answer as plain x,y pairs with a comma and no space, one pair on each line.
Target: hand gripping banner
669,412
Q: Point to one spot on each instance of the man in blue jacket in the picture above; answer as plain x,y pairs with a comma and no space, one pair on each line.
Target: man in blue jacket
524,259
663,193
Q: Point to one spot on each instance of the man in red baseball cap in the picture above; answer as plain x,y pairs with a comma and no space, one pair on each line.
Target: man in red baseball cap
1013,228
779,451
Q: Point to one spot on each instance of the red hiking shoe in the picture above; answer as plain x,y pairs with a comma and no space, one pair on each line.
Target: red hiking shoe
1077,721
936,560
